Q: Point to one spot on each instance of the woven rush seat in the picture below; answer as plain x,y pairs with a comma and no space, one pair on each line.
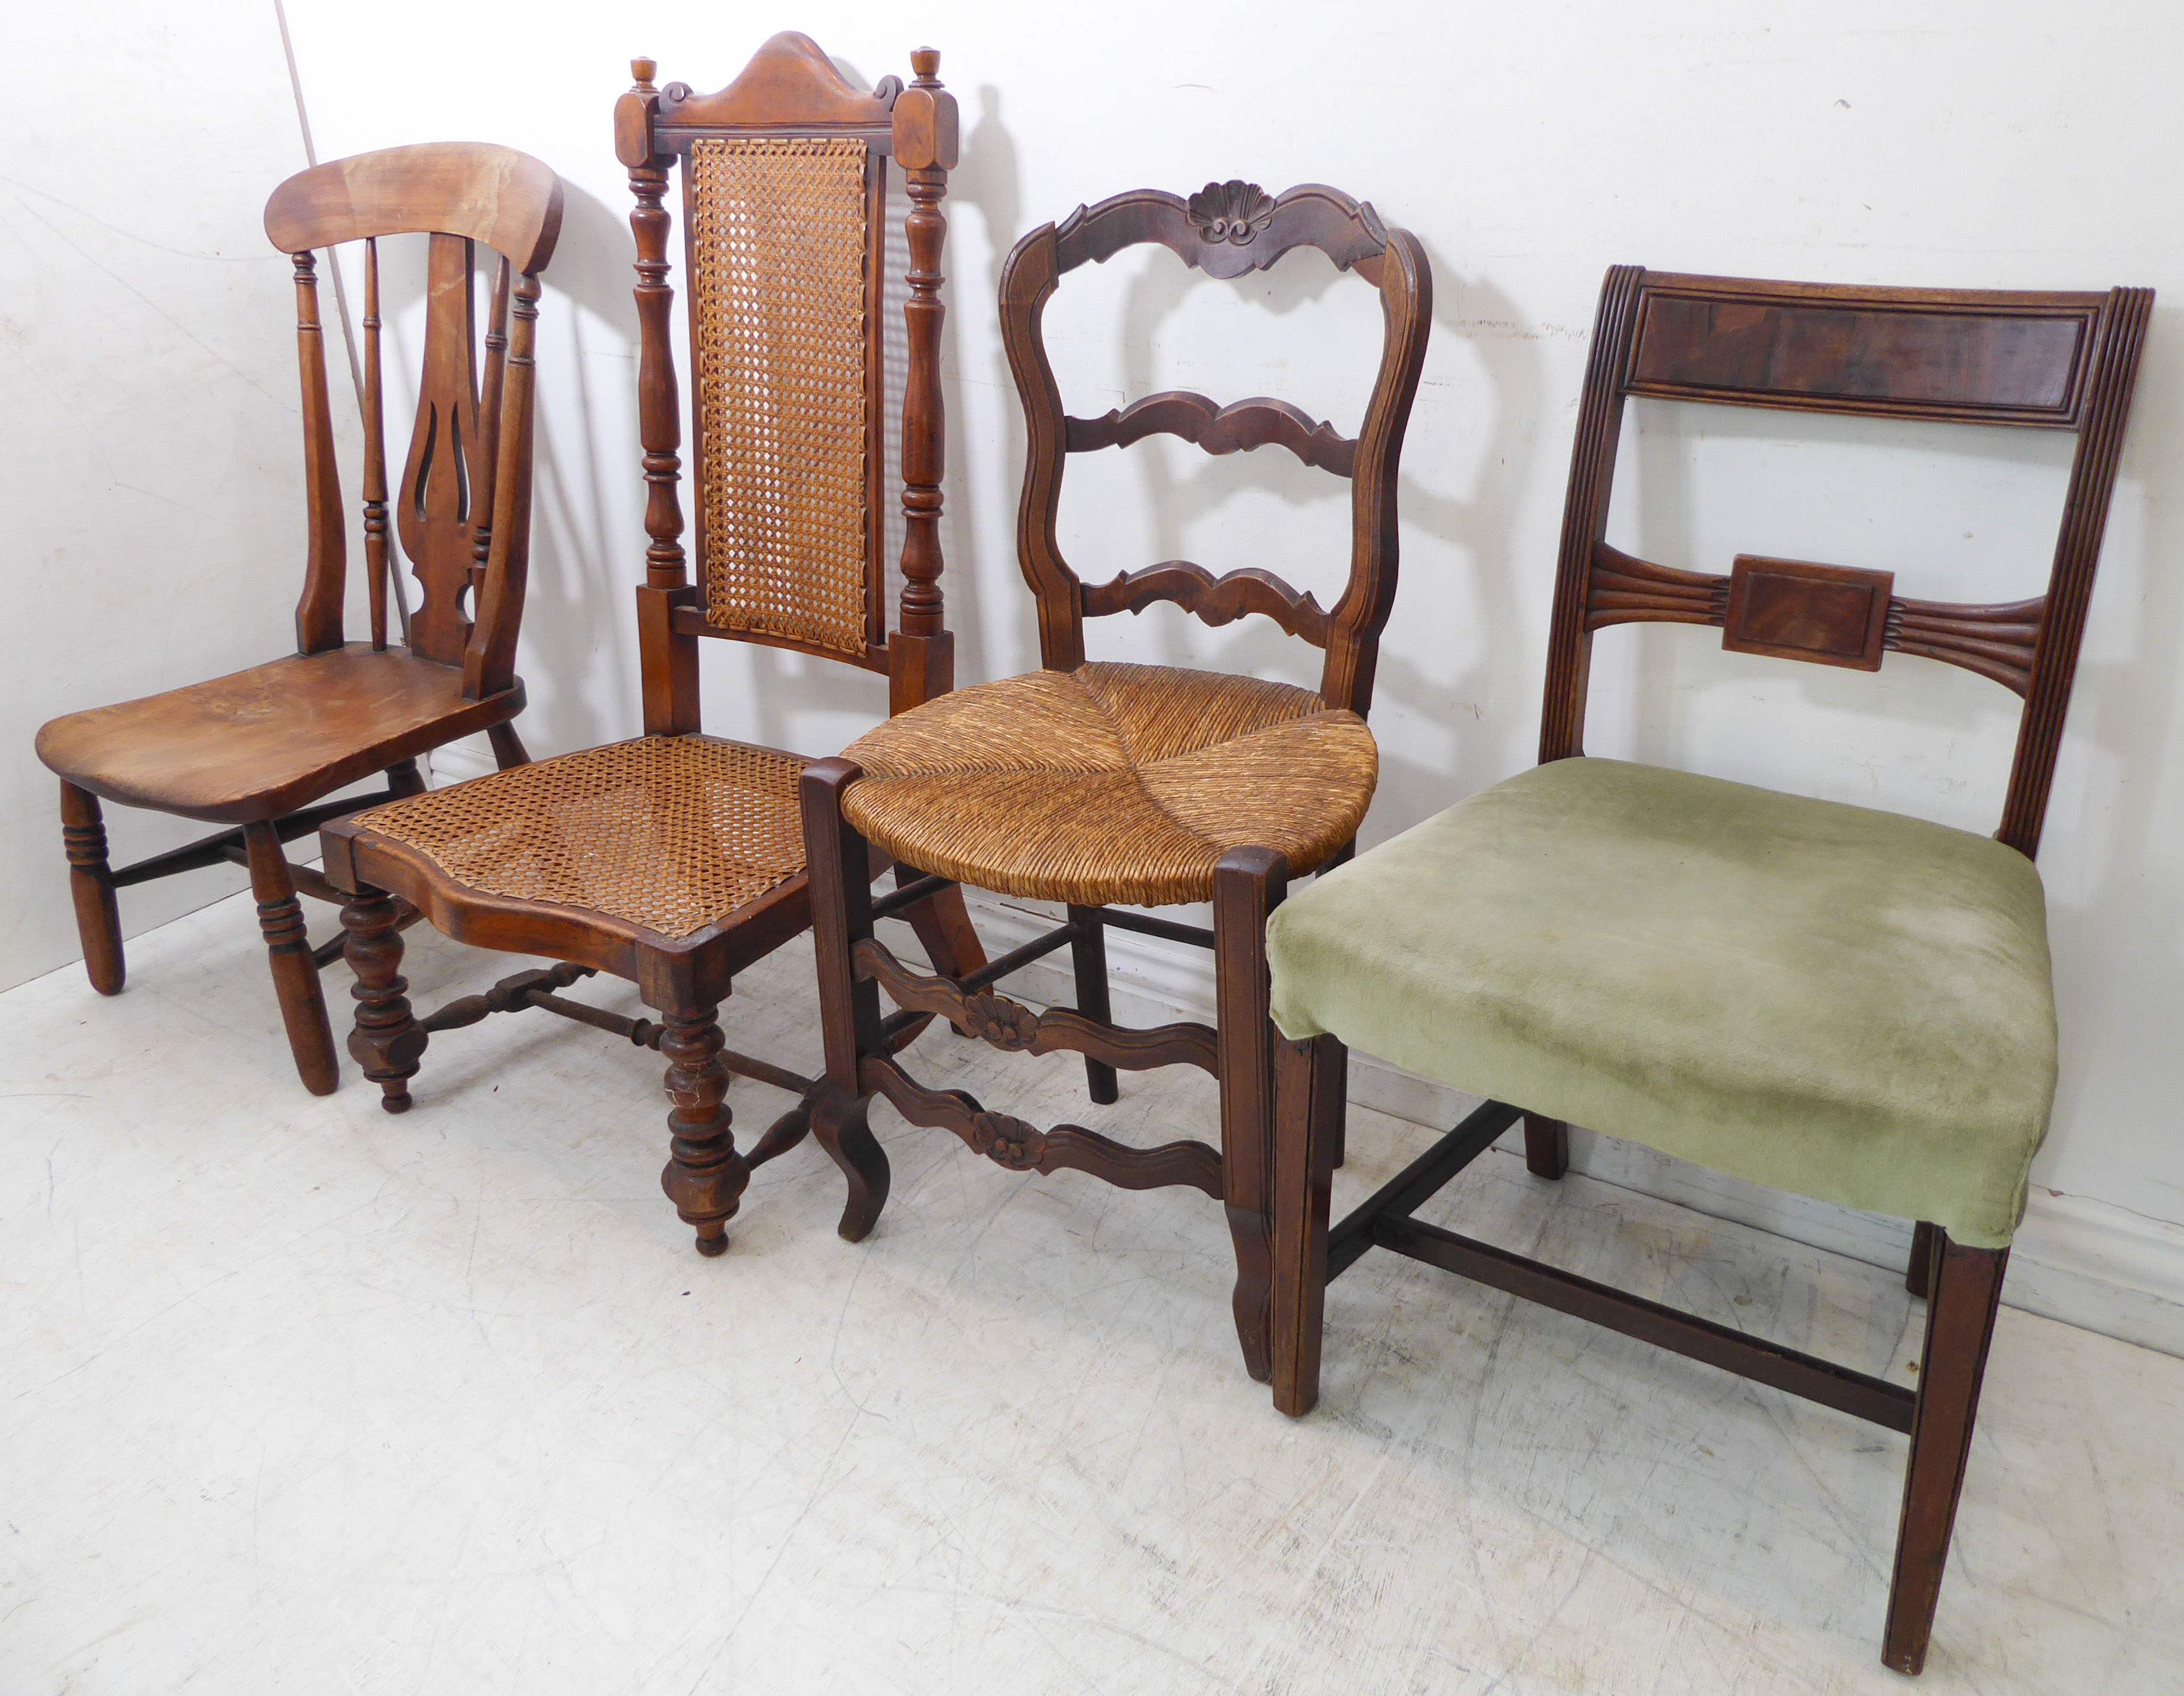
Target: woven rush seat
673,832
1112,783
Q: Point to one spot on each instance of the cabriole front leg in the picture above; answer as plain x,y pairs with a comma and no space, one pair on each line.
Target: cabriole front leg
705,1176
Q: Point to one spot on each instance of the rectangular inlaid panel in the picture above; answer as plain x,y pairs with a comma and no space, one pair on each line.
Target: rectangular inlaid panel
1793,610
1974,367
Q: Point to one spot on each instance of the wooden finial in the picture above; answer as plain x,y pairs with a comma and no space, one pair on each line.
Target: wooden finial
925,61
642,70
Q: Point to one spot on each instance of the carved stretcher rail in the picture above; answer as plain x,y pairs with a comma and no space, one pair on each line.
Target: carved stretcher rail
1217,600
1022,1147
1242,426
1014,1027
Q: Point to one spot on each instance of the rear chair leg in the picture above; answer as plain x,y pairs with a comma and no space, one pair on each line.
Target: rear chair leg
1088,952
91,882
705,1176
404,779
1546,1147
288,951
1248,885
1919,1270
387,1039
1967,1288
508,749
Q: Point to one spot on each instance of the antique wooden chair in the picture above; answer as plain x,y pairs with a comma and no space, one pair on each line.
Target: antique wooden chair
676,859
1092,784
256,751
1849,1004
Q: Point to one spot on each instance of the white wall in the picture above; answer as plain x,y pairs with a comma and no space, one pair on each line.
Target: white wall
1981,145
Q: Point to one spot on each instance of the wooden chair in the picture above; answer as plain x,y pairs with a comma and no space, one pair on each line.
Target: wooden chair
1849,1004
256,751
1093,784
676,859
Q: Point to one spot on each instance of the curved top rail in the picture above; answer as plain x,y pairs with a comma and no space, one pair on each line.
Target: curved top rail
789,82
507,200
1227,229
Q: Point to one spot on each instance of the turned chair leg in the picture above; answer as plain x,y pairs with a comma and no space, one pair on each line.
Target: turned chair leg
1919,1270
1311,1080
91,883
705,1176
1546,1147
508,749
837,863
1088,953
387,1039
1248,885
288,951
1967,1288
404,779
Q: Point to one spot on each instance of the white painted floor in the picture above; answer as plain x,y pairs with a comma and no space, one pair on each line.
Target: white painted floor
295,1396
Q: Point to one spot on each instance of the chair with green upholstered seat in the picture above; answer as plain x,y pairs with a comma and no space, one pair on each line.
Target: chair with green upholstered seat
1846,1003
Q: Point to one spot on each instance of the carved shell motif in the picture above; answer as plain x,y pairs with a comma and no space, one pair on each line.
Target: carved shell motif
1232,212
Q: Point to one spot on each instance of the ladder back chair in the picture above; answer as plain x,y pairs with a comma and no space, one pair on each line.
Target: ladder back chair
256,751
676,859
1092,784
1848,1004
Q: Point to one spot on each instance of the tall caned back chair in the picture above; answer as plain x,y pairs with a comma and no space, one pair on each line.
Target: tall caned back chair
1092,784
675,860
1848,1004
257,751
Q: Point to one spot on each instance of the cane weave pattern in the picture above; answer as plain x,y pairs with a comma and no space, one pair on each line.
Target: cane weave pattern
673,832
1112,783
777,330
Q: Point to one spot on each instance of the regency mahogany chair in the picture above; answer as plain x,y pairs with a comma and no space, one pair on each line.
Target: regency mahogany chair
1092,784
676,859
1849,1004
256,751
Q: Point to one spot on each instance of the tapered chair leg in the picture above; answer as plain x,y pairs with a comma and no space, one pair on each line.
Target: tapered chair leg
91,883
508,749
1088,953
1248,885
1546,1147
705,1176
838,864
1310,1090
387,1040
1967,1288
288,951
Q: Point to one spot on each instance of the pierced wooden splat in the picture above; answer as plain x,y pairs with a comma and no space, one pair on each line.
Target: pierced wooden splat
1011,1143
1795,609
1214,600
1243,425
432,506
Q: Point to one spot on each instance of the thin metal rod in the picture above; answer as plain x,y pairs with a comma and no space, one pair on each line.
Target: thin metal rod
1824,1381
1418,1183
1196,934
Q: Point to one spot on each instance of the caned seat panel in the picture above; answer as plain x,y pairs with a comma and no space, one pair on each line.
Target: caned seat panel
1112,783
673,832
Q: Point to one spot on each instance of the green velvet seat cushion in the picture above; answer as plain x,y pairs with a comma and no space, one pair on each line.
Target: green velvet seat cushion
1821,998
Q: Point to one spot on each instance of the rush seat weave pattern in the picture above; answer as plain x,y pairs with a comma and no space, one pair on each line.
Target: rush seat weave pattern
673,832
778,249
1112,782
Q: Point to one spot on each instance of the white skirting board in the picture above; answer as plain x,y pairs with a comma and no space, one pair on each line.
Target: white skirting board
2087,1262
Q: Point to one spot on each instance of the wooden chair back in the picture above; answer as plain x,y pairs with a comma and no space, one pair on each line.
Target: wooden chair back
462,507
2034,360
785,199
1226,229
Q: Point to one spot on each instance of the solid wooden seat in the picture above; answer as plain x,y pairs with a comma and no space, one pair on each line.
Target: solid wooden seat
257,744
675,859
261,750
1112,783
